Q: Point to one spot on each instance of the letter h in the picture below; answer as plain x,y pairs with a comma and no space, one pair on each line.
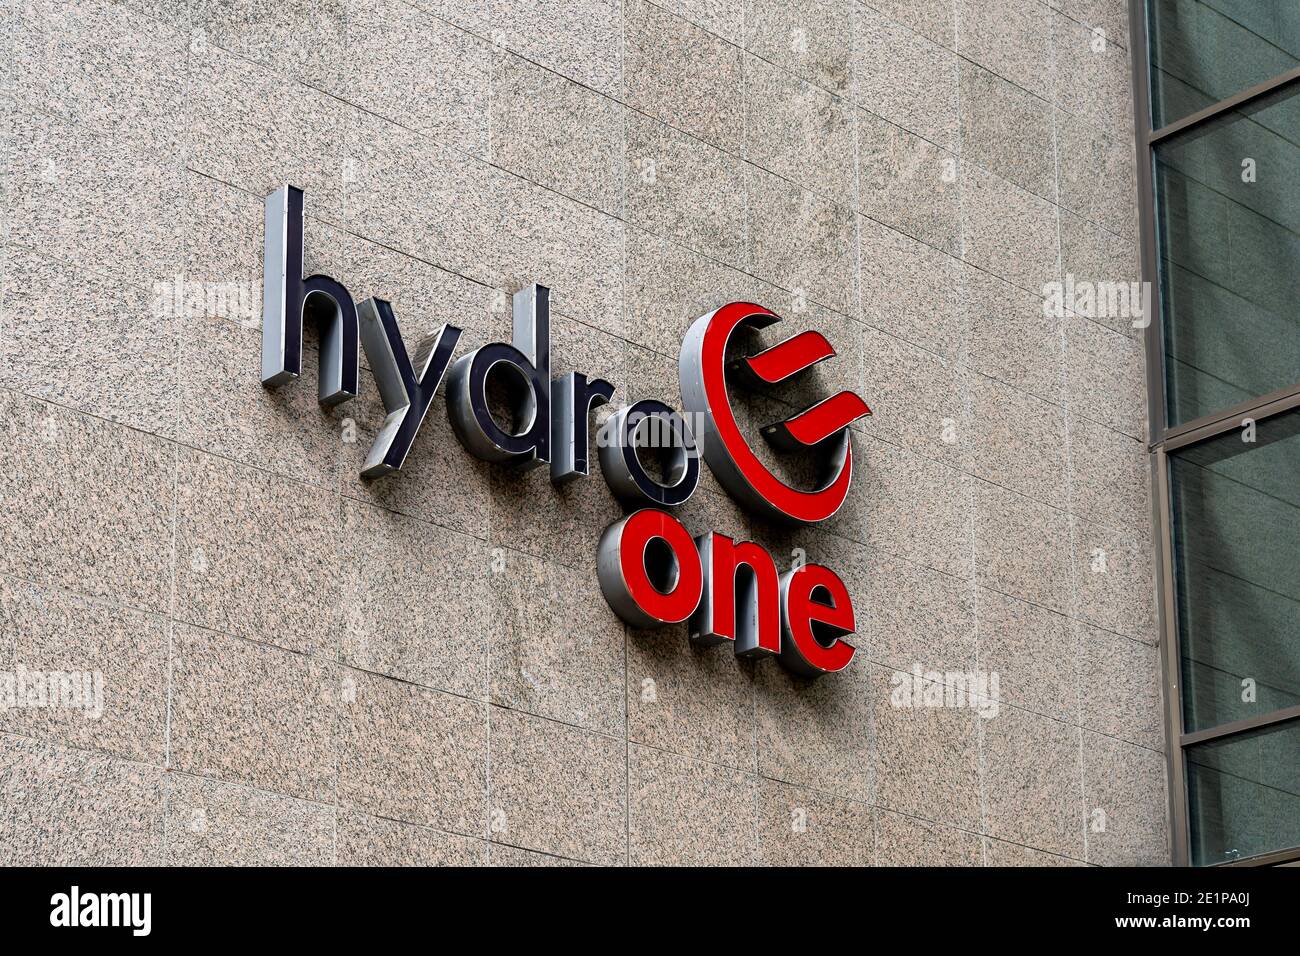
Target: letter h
286,299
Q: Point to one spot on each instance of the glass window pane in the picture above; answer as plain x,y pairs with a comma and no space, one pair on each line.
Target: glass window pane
1203,51
1236,525
1243,794
1228,224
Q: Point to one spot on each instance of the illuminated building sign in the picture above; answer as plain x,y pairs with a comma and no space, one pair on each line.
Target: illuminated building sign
651,571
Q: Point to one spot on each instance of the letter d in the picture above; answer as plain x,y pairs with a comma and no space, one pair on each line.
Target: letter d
529,362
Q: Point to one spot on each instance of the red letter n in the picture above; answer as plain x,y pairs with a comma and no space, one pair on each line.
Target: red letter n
738,576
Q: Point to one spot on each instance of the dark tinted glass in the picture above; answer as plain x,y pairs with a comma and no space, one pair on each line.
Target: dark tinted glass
1244,794
1228,221
1236,523
1203,51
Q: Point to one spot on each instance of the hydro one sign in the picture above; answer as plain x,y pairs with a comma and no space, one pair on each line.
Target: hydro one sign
651,571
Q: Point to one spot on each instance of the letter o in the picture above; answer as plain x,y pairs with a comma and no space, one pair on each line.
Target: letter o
649,570
653,422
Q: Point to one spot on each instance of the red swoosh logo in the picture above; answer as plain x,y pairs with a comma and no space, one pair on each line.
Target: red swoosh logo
818,423
732,460
788,358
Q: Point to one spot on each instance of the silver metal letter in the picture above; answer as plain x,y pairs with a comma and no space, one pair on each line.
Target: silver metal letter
407,388
649,424
530,361
572,399
286,299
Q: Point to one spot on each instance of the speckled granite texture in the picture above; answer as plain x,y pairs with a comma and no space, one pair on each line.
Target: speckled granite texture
304,667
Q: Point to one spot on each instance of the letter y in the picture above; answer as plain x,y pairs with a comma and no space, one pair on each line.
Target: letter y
406,388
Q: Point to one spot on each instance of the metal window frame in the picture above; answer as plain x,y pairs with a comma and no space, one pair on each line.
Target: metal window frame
1164,440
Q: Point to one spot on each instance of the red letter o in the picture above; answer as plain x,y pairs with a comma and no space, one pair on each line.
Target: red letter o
649,570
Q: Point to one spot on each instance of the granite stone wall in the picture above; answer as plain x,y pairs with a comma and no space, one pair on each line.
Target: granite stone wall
301,666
